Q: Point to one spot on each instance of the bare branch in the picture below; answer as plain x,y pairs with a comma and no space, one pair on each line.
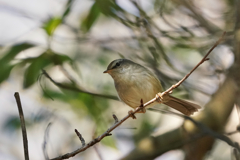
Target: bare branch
203,60
140,108
24,132
68,87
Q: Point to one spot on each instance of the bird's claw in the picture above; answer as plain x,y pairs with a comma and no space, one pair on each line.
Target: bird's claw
142,110
159,97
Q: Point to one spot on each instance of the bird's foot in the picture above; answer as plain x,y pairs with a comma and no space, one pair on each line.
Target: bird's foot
131,114
159,97
162,97
141,110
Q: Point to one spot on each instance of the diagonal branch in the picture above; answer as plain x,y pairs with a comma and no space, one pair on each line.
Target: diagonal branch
140,108
203,60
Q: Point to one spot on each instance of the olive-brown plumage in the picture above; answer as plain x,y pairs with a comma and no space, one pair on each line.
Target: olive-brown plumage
134,82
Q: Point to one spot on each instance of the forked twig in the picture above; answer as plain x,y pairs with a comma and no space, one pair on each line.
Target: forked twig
116,124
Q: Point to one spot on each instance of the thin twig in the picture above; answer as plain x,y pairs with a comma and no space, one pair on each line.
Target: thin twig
203,60
115,118
98,153
231,133
202,127
68,87
140,108
80,137
24,132
44,146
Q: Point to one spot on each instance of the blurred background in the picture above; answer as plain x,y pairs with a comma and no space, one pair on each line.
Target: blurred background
54,53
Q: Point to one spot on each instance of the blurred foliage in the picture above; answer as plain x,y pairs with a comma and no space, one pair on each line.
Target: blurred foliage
5,61
165,51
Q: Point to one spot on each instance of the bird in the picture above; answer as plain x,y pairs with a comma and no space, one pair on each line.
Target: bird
136,85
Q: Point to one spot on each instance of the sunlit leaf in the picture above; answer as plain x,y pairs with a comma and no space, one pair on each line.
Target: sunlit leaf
52,24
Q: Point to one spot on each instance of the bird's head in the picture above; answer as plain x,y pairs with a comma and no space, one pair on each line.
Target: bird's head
118,67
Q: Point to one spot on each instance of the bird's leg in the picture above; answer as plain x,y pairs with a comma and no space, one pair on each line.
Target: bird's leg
143,110
159,97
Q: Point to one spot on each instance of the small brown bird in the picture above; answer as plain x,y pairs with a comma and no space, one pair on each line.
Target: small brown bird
134,83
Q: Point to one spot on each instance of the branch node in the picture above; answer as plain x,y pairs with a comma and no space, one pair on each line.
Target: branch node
131,114
115,118
206,59
108,134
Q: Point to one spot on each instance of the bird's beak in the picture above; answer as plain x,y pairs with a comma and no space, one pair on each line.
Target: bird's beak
106,71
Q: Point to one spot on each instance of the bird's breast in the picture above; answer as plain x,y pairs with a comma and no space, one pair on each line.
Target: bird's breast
132,88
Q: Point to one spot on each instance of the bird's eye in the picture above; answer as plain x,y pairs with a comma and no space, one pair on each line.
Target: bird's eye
117,64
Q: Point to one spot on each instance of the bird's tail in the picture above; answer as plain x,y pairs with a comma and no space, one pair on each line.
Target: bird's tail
185,107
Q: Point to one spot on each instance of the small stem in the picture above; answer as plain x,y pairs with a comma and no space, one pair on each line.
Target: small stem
24,132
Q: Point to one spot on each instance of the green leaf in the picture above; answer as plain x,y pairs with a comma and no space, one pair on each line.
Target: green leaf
182,46
108,7
33,71
52,24
6,67
91,18
68,8
5,71
59,59
9,55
